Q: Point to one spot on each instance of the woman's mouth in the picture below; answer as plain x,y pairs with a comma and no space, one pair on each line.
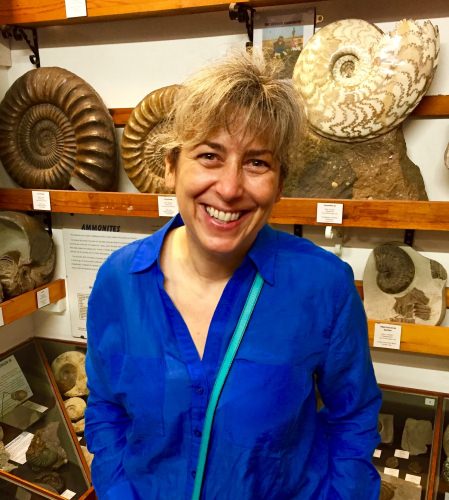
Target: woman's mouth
221,215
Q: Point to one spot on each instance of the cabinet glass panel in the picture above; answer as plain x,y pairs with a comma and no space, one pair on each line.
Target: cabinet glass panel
406,424
442,475
36,437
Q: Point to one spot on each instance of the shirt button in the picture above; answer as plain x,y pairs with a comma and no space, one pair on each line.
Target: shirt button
193,473
199,390
197,433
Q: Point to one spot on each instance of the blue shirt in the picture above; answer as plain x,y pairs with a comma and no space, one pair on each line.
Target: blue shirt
149,389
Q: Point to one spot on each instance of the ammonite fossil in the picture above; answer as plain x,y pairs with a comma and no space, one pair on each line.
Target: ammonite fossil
358,83
50,480
142,154
395,268
446,157
45,451
27,255
70,373
75,408
56,133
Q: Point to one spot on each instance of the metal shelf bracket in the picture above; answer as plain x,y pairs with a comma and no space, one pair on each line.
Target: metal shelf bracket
243,13
20,33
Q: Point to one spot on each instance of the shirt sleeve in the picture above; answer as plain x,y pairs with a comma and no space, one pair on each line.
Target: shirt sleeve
352,402
106,419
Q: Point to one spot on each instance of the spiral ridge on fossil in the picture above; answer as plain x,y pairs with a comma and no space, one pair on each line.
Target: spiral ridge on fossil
56,133
142,141
358,83
395,268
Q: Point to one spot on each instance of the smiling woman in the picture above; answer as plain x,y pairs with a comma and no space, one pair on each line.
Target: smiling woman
178,296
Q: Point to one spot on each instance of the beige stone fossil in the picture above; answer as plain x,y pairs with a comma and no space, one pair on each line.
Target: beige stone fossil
70,373
75,408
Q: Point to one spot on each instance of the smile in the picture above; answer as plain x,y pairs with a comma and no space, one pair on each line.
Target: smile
222,216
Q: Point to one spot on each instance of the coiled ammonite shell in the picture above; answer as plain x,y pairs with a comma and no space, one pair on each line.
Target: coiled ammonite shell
27,254
45,450
142,154
395,268
358,83
70,373
56,133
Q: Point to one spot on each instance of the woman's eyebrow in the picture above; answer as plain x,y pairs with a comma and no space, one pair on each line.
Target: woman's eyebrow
258,152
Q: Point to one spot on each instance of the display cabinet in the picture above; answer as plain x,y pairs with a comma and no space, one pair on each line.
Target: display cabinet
442,463
45,460
405,456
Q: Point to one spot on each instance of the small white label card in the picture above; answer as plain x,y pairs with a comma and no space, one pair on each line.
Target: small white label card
167,206
429,401
413,479
43,297
41,200
377,453
387,336
329,213
446,496
2,321
35,406
68,494
391,472
401,454
18,447
75,8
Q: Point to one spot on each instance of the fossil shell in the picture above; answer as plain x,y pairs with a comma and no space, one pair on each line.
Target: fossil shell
446,157
358,83
27,254
386,491
87,455
75,408
417,434
45,451
70,373
142,155
79,426
395,268
50,480
56,132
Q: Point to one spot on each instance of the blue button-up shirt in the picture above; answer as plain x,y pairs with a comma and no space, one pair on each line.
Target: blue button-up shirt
149,389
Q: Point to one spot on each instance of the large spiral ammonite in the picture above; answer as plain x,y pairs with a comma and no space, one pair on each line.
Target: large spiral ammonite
56,133
358,83
142,154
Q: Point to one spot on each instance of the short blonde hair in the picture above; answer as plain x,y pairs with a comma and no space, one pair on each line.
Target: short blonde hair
241,89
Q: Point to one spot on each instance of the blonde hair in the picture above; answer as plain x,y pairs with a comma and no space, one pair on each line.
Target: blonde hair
241,90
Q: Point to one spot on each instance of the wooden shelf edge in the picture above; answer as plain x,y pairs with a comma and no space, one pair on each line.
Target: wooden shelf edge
25,304
385,214
418,339
431,106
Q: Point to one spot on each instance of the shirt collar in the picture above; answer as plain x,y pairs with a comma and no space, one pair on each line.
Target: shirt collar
262,253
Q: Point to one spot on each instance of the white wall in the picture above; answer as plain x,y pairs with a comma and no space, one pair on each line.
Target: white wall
125,60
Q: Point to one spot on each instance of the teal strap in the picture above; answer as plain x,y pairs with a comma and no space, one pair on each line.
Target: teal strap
221,379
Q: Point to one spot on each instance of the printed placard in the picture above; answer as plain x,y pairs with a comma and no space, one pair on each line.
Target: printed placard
43,297
387,336
75,8
2,321
329,213
377,453
413,479
41,200
446,496
35,406
68,494
18,447
391,472
401,454
167,206
14,387
429,401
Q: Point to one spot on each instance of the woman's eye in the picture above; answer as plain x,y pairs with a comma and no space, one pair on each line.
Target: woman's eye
208,156
259,165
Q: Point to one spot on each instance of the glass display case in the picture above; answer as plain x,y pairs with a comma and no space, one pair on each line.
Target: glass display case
404,455
39,452
442,467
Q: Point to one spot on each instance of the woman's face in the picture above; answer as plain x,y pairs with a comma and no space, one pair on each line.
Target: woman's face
226,187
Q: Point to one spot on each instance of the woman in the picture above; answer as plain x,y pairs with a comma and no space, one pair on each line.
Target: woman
163,310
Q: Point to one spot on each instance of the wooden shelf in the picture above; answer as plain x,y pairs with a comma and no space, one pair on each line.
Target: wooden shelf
25,304
48,12
421,339
386,214
431,106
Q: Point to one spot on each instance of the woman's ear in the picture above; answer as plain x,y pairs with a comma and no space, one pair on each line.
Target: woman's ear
170,169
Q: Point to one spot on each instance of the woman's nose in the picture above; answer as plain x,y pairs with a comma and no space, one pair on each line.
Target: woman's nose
230,182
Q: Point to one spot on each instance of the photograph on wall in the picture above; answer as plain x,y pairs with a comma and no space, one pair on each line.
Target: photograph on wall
282,34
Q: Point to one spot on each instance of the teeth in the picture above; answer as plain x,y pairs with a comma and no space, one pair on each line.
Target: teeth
222,216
